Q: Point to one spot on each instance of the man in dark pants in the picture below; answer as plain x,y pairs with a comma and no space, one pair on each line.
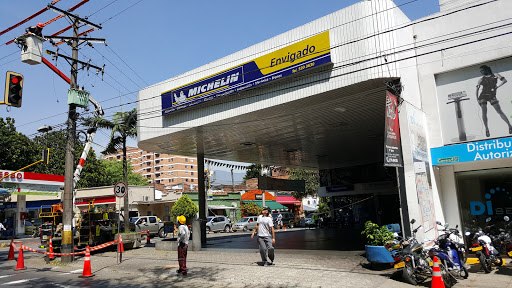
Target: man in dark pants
266,237
183,237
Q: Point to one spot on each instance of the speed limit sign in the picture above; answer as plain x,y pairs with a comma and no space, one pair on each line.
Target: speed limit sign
120,189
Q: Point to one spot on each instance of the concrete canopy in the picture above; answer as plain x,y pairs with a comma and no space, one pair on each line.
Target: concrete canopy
337,128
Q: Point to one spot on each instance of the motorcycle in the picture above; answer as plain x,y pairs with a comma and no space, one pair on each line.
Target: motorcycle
450,250
410,256
485,251
503,241
37,232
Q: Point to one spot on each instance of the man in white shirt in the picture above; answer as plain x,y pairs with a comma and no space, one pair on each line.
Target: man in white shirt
266,237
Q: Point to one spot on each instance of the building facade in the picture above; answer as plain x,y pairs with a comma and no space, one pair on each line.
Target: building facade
172,171
318,96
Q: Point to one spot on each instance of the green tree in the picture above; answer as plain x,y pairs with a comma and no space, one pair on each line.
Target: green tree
93,173
16,149
250,209
114,173
311,178
253,171
186,207
122,127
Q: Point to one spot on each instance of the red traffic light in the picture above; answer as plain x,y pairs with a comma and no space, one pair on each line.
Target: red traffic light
15,80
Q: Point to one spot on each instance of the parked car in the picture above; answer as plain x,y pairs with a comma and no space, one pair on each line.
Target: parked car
288,219
218,223
246,223
148,223
29,228
310,220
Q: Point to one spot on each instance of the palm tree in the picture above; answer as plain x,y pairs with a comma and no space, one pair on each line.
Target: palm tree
122,127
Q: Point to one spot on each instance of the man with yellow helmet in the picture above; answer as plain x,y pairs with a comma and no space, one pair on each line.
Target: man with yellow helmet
183,237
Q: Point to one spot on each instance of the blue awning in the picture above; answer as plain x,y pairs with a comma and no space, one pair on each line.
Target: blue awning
30,204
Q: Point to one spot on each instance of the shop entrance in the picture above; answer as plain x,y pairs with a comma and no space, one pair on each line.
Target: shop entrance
484,194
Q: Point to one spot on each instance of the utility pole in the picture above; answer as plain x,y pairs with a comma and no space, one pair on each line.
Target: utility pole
67,245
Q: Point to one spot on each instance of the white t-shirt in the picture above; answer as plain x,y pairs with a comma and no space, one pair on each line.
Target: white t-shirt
183,234
264,226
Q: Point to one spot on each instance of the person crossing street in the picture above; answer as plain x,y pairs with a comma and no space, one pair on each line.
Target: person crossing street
266,237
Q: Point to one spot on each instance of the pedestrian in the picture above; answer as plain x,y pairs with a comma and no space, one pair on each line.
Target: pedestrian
183,236
279,221
266,237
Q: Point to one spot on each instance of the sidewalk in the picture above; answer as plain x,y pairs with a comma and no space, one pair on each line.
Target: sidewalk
239,268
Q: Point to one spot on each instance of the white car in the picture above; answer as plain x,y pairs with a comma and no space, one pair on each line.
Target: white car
218,223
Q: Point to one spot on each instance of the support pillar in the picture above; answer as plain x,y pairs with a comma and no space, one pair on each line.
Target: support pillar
21,207
201,192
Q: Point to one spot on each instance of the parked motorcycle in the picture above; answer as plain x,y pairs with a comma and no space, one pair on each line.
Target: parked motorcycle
501,240
410,256
487,254
450,250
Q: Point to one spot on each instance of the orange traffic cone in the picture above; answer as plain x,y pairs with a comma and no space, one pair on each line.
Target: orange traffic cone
21,263
11,251
437,278
120,246
51,256
148,241
87,264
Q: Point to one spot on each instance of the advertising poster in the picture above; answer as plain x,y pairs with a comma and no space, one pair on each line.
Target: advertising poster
299,57
475,102
392,148
416,121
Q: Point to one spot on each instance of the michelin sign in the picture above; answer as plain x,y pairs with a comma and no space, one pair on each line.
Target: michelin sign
472,151
298,57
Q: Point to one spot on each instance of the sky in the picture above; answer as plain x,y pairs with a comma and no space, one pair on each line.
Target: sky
149,41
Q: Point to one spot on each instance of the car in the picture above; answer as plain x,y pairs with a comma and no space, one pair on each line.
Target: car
310,219
29,228
218,223
288,219
246,223
148,223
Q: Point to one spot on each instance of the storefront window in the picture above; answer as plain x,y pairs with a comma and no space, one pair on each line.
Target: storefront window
484,194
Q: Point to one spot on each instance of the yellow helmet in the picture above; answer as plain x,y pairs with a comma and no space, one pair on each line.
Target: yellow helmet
182,219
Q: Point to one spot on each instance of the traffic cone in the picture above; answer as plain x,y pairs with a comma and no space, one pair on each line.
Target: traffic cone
21,263
11,251
51,256
437,278
120,246
148,241
87,264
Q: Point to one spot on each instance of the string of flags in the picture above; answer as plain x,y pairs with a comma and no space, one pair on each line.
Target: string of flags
274,169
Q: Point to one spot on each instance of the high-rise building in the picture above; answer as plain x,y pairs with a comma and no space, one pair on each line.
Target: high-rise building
172,171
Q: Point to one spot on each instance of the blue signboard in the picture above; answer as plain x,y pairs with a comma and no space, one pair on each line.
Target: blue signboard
472,151
301,56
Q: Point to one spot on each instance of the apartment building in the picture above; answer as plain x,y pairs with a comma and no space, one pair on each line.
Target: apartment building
172,171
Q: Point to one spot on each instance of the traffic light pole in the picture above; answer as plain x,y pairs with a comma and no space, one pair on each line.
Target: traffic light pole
67,200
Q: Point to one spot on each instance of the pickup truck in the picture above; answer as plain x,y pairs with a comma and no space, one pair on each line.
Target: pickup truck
148,223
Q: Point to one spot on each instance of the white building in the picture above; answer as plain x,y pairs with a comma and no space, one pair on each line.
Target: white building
315,97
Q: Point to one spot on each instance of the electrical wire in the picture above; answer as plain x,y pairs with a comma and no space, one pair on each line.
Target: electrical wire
121,12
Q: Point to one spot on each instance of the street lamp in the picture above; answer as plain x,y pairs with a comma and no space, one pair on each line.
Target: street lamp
44,129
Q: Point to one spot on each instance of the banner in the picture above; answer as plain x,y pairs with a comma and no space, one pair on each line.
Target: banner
301,56
474,102
392,148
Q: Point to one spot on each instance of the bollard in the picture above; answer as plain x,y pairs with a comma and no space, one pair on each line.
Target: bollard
148,241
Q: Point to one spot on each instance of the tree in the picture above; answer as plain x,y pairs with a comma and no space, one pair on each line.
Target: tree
114,174
311,178
253,171
93,172
16,149
186,207
122,127
251,209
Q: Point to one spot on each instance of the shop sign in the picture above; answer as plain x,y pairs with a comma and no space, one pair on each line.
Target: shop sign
392,145
494,203
472,151
301,56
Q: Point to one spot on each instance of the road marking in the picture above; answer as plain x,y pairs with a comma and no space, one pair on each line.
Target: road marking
19,281
74,271
3,276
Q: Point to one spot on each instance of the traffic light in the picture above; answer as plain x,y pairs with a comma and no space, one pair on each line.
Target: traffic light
13,89
46,156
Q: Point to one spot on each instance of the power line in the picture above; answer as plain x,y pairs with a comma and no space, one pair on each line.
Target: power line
127,65
120,12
